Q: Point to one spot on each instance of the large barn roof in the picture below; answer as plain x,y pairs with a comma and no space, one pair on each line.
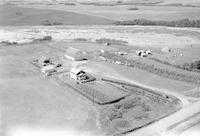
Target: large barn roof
74,54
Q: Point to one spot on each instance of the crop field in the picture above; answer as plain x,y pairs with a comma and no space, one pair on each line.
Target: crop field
121,12
137,36
18,16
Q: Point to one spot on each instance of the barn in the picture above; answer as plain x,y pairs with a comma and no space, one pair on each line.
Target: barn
75,54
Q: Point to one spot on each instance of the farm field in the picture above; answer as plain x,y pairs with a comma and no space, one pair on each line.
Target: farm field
145,37
114,2
121,12
18,16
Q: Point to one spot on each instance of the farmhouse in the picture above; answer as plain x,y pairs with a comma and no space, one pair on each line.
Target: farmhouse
75,54
77,74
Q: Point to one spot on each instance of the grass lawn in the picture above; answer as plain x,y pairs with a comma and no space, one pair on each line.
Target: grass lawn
29,99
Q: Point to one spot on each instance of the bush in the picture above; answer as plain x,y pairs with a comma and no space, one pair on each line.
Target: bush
195,66
130,103
133,8
9,43
49,23
46,23
57,23
80,39
146,107
19,13
121,123
192,66
46,38
111,41
114,115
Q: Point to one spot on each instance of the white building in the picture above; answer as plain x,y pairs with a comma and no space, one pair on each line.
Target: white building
77,74
75,54
48,69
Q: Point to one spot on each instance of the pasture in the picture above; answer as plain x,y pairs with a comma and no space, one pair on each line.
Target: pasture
20,16
121,12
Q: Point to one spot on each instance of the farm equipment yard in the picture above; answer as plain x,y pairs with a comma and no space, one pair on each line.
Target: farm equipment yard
99,79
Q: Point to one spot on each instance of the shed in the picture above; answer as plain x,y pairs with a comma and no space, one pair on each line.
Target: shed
75,54
48,69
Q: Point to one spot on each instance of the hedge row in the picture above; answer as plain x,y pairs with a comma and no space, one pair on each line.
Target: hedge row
153,69
111,41
178,23
194,66
49,23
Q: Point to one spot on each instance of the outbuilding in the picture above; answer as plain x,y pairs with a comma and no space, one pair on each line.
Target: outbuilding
48,69
75,54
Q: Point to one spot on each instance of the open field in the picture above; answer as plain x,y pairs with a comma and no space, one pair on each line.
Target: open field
121,12
106,2
16,16
152,37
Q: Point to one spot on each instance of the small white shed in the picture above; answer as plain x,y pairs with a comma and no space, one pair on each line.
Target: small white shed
48,69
